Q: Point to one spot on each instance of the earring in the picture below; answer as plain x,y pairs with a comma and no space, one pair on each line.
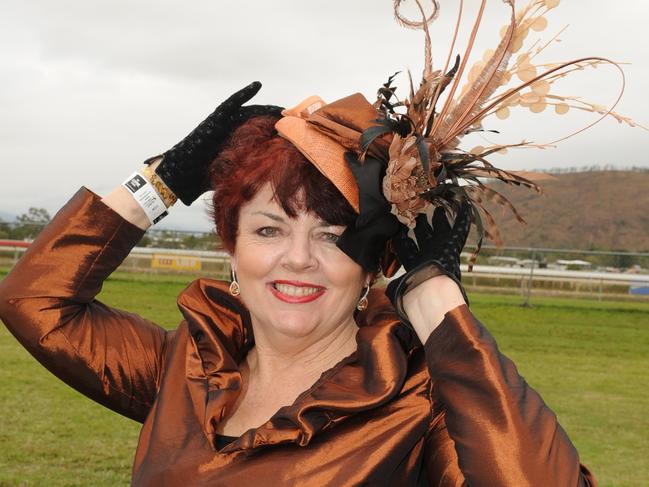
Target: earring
235,290
363,302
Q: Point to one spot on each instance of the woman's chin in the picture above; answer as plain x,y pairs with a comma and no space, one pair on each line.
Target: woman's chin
297,329
295,324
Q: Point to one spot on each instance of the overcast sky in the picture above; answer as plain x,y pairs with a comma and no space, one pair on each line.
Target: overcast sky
91,88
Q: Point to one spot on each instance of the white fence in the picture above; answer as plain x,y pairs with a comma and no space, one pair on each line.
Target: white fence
491,278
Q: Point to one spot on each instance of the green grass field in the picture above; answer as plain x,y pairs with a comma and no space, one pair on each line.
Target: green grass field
588,359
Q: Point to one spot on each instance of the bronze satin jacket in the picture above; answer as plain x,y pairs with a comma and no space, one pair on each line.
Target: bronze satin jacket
453,412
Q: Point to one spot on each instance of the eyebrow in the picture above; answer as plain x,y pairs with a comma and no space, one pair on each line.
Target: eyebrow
277,218
272,216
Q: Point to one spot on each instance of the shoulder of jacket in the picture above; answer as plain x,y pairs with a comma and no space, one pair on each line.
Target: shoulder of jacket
209,301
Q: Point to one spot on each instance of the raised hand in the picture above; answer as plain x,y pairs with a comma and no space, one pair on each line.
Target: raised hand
184,167
436,252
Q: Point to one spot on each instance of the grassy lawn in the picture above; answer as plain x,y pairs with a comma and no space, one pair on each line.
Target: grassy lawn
588,359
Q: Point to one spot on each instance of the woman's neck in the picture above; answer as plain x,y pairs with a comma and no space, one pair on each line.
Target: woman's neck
299,360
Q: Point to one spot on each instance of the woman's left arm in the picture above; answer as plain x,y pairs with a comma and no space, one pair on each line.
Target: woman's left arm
503,432
488,427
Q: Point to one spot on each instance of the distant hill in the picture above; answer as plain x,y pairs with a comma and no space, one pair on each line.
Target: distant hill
599,210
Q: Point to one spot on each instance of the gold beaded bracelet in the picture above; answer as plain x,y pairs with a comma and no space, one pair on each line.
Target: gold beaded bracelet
168,197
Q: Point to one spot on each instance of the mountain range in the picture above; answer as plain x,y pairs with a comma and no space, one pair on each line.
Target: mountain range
598,210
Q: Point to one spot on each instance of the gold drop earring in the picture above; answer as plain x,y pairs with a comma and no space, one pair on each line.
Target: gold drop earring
235,290
363,302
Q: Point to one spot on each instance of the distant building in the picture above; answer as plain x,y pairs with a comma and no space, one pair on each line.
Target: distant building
504,261
574,264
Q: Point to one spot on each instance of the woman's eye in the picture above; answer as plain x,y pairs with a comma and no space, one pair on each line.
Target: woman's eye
268,231
330,237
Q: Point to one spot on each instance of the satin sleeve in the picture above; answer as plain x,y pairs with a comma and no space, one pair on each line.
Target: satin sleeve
489,427
48,302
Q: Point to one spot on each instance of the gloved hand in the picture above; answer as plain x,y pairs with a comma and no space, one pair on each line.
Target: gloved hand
184,167
436,252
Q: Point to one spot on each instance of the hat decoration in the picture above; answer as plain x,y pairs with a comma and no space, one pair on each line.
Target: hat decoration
426,164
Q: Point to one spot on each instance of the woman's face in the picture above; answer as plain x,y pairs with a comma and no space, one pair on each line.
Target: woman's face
294,280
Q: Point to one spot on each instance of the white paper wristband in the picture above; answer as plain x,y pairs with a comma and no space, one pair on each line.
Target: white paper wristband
146,196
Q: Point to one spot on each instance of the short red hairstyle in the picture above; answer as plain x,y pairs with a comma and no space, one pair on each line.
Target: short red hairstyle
256,155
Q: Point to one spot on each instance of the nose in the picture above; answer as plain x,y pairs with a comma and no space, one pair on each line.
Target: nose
299,255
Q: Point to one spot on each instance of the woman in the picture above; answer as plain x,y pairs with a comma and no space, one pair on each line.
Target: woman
295,373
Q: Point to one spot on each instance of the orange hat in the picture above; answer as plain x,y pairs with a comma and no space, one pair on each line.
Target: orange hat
323,133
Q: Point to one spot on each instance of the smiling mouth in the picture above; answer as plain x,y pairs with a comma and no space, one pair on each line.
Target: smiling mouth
292,293
299,291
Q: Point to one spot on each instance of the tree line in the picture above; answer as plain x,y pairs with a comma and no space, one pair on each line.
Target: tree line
25,226
28,225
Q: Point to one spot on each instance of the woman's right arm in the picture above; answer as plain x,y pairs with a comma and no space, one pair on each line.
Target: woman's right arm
48,302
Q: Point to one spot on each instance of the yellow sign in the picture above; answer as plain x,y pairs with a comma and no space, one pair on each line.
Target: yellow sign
176,262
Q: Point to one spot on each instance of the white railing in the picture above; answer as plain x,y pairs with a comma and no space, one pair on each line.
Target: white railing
525,274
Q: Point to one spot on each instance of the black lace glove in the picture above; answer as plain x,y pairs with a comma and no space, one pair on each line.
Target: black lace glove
184,167
436,252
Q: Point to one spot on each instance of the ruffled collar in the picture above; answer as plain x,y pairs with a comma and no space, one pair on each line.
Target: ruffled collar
222,335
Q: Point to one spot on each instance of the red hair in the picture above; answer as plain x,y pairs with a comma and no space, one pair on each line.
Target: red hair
256,155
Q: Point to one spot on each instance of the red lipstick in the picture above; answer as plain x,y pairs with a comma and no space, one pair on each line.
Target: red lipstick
296,299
